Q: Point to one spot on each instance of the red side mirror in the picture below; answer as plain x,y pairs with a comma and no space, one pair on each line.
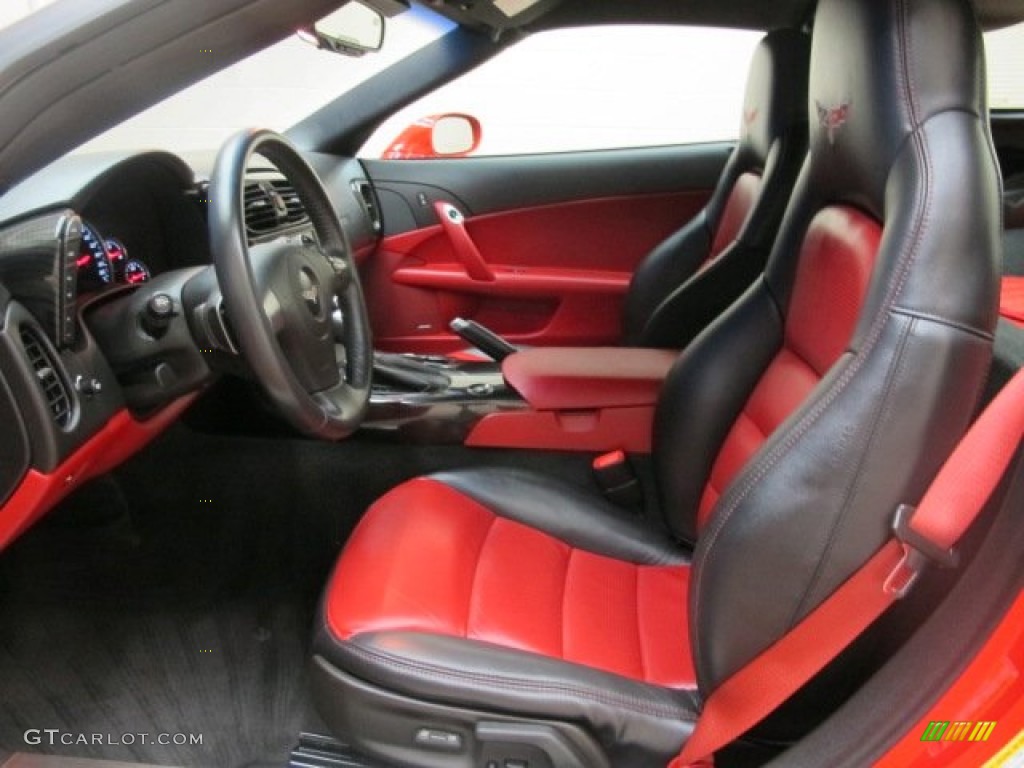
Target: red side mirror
436,136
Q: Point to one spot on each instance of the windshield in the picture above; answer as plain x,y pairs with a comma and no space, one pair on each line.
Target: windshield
274,88
280,85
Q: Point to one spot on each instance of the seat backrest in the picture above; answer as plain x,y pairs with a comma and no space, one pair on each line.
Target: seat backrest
791,429
691,277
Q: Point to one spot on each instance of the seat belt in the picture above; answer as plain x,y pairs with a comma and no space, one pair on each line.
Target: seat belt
952,502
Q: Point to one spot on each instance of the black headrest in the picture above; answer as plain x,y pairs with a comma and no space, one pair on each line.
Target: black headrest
776,91
879,70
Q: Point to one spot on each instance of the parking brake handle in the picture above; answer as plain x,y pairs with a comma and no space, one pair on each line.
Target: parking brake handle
454,225
483,338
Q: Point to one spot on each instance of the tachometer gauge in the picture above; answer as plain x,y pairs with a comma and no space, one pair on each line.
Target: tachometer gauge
134,272
118,254
94,268
127,271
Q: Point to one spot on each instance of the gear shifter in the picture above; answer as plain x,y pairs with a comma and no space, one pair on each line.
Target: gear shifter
484,339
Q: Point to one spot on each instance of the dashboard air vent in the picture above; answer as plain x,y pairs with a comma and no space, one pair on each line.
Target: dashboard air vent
295,211
271,206
58,399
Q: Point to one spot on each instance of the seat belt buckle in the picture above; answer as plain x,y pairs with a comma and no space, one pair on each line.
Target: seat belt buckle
618,481
918,551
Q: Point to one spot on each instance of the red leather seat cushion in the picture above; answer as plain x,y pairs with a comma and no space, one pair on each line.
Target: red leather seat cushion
428,558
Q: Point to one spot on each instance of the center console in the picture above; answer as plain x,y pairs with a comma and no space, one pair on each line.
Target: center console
570,399
434,399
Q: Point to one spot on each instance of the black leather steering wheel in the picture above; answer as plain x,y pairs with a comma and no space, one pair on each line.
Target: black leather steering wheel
279,296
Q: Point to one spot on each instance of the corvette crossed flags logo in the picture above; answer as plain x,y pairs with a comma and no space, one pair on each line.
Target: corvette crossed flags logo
832,118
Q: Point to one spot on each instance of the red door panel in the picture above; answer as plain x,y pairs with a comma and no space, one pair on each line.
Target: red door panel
557,273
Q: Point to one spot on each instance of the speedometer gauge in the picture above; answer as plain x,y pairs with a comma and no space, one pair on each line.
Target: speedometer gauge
94,268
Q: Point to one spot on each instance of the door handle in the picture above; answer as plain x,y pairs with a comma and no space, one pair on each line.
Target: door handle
454,225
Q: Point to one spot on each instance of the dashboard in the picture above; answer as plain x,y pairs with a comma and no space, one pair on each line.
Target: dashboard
87,246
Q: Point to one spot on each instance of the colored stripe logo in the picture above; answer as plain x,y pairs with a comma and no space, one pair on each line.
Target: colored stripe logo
960,730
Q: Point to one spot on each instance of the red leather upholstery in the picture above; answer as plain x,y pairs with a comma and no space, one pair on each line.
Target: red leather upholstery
836,260
838,254
738,206
470,573
1011,302
553,378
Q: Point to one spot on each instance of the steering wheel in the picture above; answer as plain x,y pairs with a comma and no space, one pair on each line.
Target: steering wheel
279,296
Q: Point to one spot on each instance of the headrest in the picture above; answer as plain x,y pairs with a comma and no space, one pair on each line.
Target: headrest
879,70
774,100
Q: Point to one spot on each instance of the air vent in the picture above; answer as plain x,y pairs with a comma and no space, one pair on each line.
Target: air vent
58,399
365,194
271,206
295,210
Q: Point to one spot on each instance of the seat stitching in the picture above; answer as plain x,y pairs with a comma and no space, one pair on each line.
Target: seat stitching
798,355
885,407
434,671
744,414
932,318
476,572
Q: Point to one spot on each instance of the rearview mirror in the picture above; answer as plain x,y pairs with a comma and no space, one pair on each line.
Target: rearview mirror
352,30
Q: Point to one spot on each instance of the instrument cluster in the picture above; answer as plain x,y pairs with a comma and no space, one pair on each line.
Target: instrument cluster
103,262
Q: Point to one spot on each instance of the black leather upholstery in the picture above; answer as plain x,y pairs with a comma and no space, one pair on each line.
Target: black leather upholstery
574,515
914,151
669,300
701,400
899,136
635,723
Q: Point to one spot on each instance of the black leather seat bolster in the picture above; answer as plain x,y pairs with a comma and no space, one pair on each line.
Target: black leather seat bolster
578,516
670,264
629,718
702,397
686,311
694,305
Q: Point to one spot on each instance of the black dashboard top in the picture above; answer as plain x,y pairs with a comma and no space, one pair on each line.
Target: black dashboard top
72,181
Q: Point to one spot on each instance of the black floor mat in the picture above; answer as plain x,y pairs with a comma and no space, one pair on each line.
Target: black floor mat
190,615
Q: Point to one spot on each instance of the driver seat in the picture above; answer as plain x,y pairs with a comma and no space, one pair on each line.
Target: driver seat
502,618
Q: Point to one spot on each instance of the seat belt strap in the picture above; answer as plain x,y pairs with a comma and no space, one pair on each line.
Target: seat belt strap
953,501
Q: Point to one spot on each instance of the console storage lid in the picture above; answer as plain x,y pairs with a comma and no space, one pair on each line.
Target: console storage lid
578,378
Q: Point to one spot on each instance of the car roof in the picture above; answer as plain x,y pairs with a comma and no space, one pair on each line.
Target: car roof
744,14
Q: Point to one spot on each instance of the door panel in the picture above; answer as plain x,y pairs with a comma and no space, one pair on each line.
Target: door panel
559,237
1008,134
